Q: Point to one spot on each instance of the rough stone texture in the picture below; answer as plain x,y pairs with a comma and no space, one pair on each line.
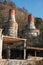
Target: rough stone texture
11,27
31,24
30,18
13,30
34,61
30,29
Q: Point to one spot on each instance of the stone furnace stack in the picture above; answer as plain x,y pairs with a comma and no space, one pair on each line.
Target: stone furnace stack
11,27
30,30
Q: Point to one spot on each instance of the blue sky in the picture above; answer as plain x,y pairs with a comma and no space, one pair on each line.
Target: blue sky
35,7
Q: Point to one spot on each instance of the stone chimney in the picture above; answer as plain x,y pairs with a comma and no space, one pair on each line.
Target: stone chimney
31,24
30,30
11,27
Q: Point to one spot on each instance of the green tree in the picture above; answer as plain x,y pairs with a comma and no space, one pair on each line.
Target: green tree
39,23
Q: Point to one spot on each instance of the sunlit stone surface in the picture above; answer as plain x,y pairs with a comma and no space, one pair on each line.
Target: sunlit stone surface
30,30
11,27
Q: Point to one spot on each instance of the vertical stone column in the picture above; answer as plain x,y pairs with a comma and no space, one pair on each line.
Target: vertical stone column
1,41
31,22
8,52
11,27
35,53
24,49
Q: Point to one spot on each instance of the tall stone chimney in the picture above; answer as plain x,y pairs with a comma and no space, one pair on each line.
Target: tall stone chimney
30,30
11,27
31,24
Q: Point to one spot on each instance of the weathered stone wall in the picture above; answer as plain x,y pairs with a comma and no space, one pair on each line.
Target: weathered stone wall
11,27
13,30
20,62
30,29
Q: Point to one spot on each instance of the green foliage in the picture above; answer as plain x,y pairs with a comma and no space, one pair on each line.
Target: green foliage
39,23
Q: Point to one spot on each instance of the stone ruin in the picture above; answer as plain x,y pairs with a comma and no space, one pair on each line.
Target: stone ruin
30,29
11,27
